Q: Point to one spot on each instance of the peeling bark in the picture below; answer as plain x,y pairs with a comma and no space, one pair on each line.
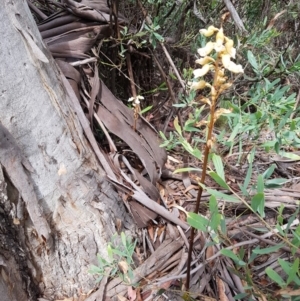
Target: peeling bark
70,187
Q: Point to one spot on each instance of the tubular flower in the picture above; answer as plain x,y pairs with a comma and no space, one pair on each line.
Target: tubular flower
201,71
206,101
229,47
205,60
207,49
209,31
198,85
225,87
231,66
219,41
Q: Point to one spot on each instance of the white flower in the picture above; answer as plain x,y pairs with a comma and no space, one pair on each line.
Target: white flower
136,100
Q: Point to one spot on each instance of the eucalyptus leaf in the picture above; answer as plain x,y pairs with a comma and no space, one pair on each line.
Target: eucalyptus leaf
252,60
219,180
197,221
230,254
220,195
268,250
218,163
275,277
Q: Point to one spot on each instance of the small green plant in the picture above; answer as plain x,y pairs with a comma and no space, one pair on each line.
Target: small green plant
119,261
152,29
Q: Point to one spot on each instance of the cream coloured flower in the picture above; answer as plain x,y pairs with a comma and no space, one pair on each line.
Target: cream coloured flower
225,60
209,31
221,112
235,68
219,41
201,71
201,84
207,49
229,47
231,66
205,60
206,101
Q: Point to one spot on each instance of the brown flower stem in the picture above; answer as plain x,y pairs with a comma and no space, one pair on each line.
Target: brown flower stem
204,168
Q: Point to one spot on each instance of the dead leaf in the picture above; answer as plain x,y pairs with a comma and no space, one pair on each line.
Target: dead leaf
131,293
288,291
151,232
122,298
210,251
123,266
221,289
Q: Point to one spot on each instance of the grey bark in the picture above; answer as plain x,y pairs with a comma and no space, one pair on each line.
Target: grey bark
69,190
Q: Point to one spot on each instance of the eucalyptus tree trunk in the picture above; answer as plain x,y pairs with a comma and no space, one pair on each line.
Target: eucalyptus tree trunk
57,211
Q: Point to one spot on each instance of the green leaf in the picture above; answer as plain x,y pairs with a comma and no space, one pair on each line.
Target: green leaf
230,254
240,296
109,252
217,160
158,37
249,171
193,151
220,195
185,169
268,250
275,277
223,225
146,110
291,156
123,239
260,184
275,183
216,217
177,126
244,191
197,221
234,132
258,203
252,257
95,270
293,271
213,204
252,60
269,171
219,180
215,221
118,252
